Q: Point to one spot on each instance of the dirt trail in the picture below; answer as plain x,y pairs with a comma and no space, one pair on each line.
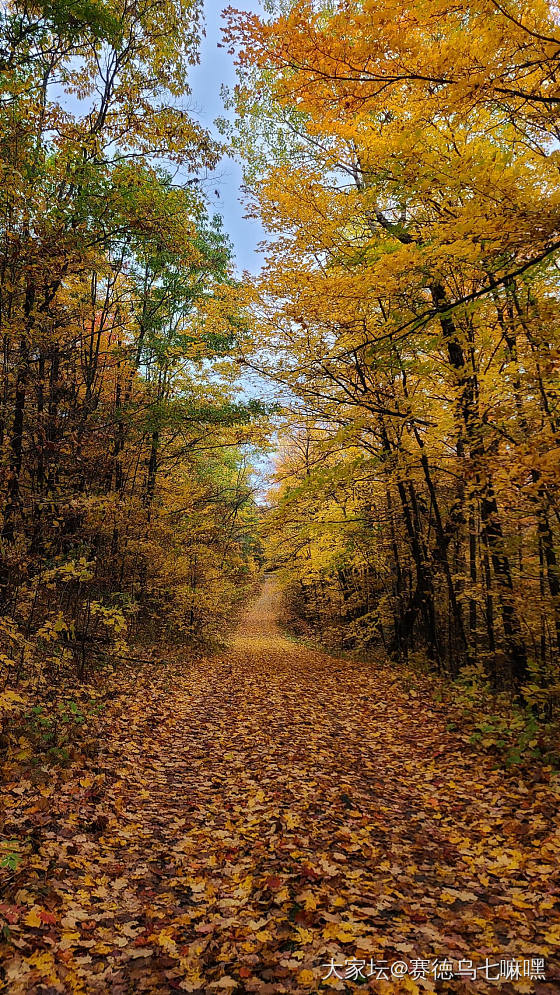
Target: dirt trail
259,814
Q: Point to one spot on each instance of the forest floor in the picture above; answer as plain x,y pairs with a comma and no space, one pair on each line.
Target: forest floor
253,817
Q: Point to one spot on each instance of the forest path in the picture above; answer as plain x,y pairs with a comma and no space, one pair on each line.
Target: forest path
261,813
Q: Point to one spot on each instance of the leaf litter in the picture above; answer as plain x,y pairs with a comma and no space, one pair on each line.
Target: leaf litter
253,816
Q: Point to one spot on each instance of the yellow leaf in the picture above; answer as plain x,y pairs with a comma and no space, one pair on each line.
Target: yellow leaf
306,978
32,917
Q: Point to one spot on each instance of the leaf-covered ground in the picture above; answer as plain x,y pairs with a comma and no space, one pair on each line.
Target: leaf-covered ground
252,817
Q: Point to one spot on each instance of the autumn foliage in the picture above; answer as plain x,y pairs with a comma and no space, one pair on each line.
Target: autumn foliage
362,767
124,487
409,309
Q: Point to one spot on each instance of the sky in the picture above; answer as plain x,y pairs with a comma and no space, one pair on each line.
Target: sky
216,68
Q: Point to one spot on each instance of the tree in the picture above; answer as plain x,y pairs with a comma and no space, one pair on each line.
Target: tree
117,303
408,302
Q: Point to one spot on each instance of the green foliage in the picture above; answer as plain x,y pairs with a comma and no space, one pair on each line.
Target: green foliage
499,724
78,18
125,455
53,729
11,857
